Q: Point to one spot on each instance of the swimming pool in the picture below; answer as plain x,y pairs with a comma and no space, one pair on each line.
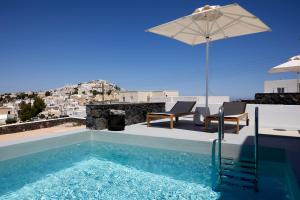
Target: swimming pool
94,169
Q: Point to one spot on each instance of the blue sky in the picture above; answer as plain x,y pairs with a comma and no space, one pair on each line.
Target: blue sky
50,43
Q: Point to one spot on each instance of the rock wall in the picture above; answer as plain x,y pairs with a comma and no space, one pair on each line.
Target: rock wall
97,115
278,98
27,126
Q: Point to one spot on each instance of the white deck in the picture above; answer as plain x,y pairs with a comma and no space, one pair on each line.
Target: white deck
186,129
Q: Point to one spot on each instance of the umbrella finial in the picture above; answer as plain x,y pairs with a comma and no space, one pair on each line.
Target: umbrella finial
207,13
295,58
204,8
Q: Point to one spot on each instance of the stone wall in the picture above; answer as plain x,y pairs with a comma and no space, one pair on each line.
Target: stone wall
278,98
27,126
97,115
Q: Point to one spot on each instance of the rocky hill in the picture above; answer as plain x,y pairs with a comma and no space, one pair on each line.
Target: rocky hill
68,100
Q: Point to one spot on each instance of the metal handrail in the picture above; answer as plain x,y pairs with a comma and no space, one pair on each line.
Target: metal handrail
237,162
220,135
256,142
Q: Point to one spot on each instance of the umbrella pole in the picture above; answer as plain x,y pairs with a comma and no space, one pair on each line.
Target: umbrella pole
298,85
206,73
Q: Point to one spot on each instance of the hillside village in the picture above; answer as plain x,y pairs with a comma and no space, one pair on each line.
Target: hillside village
69,100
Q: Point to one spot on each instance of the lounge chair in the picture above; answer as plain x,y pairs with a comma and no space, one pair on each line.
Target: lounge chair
233,112
181,108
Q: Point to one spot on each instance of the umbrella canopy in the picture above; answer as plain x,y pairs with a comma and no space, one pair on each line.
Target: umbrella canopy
293,65
211,23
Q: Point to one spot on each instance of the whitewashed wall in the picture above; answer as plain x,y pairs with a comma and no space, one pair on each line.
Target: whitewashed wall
289,85
199,99
270,116
3,119
276,116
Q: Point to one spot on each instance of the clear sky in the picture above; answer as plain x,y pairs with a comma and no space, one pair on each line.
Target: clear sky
50,43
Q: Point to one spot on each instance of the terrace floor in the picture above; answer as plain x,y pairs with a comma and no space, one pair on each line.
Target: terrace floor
186,129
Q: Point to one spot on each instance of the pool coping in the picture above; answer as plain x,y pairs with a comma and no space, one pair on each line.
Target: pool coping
40,137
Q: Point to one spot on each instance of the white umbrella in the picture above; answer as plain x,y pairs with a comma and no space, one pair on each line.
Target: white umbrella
211,23
293,65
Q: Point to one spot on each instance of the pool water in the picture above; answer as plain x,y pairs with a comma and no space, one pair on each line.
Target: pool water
96,170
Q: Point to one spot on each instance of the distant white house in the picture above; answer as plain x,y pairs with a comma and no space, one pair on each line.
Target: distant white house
281,86
3,118
5,113
145,96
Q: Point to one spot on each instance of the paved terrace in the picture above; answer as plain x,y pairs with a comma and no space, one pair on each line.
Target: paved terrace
187,130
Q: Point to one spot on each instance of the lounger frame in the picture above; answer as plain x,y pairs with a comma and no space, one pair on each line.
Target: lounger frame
157,116
236,119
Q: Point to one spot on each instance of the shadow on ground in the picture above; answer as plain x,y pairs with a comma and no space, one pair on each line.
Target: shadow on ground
190,126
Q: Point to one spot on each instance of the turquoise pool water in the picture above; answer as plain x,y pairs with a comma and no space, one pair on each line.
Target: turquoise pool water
94,170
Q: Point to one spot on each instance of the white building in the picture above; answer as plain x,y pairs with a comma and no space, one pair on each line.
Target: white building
145,96
6,113
281,86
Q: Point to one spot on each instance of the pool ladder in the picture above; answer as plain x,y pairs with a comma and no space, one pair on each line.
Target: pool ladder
242,173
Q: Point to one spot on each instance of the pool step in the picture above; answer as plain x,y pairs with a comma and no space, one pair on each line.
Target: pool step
239,178
235,169
229,185
242,162
237,173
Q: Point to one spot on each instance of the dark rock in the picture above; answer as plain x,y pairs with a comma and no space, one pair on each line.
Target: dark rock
116,112
13,128
277,98
98,115
100,123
